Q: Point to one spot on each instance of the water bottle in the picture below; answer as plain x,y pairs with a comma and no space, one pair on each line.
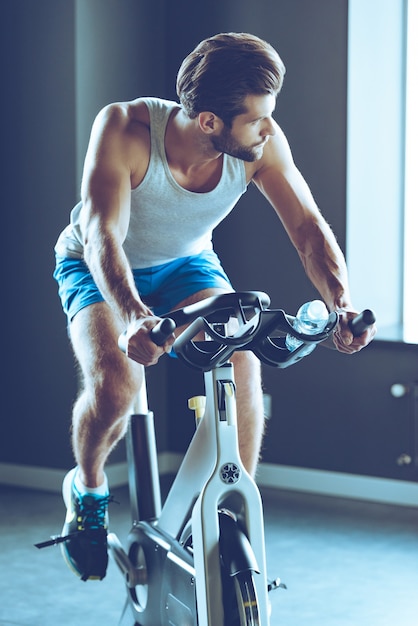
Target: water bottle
311,319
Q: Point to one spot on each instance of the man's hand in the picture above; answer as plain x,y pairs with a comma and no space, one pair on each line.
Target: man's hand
343,338
139,345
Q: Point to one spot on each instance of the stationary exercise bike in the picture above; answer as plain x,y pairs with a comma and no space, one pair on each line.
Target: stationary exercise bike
199,560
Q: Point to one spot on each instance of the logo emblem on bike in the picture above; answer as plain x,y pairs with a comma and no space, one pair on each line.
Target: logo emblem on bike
230,473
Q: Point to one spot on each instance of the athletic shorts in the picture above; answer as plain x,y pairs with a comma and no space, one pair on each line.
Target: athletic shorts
161,287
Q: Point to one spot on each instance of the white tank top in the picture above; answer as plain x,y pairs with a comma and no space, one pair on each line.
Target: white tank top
167,221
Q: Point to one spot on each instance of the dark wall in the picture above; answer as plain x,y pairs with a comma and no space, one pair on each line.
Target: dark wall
311,38
330,412
120,54
64,59
38,379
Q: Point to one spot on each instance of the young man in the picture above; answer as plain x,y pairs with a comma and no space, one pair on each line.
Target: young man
158,178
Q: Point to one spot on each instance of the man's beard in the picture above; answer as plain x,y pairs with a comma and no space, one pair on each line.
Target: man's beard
226,143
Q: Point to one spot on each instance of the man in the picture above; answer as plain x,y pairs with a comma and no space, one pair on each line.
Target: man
158,177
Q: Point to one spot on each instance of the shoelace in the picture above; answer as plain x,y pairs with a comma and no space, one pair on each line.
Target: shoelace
93,514
93,511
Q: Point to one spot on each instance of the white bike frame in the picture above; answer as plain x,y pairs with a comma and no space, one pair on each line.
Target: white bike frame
211,473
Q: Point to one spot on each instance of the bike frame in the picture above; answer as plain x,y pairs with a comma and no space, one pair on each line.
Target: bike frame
210,474
168,583
211,471
200,559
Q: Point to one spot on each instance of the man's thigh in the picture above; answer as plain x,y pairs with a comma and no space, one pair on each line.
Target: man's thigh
94,333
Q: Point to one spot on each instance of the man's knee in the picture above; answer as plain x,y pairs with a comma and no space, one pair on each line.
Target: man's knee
115,389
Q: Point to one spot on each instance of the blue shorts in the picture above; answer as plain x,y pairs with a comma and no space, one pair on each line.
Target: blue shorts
161,287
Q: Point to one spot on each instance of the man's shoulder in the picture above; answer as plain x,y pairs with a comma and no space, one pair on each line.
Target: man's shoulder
120,114
122,127
141,110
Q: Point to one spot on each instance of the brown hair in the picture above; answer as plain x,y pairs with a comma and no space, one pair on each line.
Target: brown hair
222,70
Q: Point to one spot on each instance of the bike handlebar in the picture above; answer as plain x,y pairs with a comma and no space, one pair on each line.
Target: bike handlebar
362,322
255,331
161,332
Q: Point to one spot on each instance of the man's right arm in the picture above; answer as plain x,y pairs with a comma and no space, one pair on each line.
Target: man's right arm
113,155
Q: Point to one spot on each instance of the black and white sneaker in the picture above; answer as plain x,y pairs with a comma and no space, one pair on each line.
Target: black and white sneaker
84,535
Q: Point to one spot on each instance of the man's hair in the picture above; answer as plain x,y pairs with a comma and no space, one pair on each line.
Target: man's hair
223,70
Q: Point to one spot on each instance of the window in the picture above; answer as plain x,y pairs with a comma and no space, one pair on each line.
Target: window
410,301
382,245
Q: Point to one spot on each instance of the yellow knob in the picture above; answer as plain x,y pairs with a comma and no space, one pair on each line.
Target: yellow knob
197,404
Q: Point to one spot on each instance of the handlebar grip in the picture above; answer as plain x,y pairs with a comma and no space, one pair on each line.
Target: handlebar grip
158,334
162,331
360,323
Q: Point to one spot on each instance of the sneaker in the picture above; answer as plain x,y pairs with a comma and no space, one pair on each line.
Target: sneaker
84,535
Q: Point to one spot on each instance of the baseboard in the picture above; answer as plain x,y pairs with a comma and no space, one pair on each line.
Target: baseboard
48,479
370,488
335,484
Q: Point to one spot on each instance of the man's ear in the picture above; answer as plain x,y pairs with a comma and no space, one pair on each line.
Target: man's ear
209,123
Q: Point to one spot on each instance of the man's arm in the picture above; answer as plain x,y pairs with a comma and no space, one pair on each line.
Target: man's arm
283,185
118,147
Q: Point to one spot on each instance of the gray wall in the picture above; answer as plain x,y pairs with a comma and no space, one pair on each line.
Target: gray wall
38,93
65,59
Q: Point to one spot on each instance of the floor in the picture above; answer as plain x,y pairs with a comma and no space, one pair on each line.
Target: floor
345,563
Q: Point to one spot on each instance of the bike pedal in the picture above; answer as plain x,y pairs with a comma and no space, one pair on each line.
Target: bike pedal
275,584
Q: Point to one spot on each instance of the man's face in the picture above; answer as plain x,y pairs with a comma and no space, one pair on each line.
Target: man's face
250,130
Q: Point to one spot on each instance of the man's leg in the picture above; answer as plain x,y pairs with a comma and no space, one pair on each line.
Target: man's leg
109,383
250,408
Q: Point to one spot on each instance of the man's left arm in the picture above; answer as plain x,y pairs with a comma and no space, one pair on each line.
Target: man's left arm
283,185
